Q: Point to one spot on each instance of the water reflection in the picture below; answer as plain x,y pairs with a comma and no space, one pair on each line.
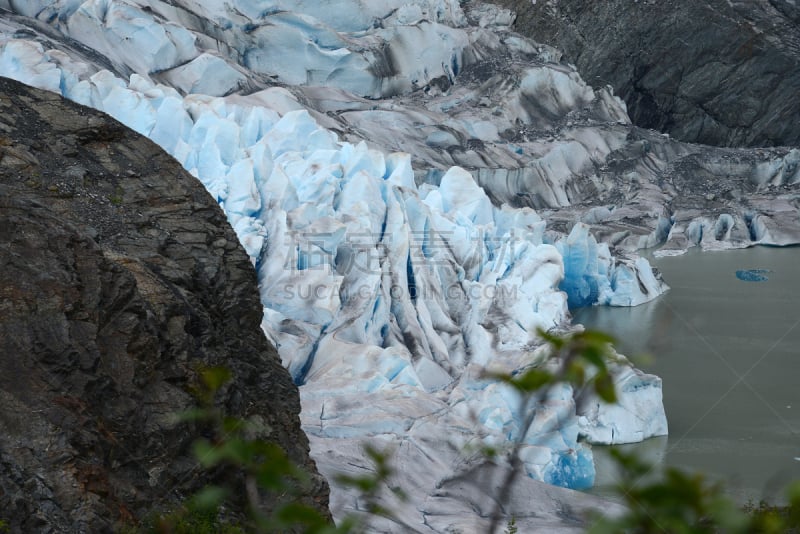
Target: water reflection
642,330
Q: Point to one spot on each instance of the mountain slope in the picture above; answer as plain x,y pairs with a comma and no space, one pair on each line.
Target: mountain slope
716,72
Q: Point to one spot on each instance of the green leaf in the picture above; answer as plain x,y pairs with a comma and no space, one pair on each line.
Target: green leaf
594,355
557,342
632,466
489,452
595,337
299,514
195,414
575,373
531,380
208,498
377,509
604,386
602,525
273,469
215,377
727,515
238,451
206,453
233,425
794,504
365,484
377,456
399,493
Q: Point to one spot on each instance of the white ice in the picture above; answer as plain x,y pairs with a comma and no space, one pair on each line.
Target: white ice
385,300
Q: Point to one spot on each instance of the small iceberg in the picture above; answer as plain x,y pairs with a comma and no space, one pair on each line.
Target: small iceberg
753,275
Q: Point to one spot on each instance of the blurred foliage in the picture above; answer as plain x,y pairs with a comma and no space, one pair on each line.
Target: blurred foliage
266,474
685,503
673,502
582,358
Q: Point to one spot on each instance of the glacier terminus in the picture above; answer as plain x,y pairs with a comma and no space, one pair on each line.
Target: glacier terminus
420,189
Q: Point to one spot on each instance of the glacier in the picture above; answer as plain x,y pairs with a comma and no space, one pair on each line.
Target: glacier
349,251
420,190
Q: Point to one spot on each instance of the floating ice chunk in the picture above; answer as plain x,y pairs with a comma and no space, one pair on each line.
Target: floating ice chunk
633,283
753,275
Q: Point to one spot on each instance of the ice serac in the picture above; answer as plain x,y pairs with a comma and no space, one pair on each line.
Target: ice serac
593,276
631,419
373,289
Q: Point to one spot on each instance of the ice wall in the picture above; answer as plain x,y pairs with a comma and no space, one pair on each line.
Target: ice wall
385,299
592,276
368,281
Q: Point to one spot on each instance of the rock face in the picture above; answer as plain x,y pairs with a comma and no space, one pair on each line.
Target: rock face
716,72
120,276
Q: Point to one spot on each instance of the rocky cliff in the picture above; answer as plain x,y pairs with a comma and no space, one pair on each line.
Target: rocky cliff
716,72
120,277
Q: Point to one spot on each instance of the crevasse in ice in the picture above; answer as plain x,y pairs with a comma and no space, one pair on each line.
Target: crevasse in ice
385,299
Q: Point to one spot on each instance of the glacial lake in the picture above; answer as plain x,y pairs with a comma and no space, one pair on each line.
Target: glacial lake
728,351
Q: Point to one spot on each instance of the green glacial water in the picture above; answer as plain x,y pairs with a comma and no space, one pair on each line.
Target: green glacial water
728,351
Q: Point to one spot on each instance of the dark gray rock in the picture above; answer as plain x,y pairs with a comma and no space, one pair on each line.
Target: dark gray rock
120,277
716,72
